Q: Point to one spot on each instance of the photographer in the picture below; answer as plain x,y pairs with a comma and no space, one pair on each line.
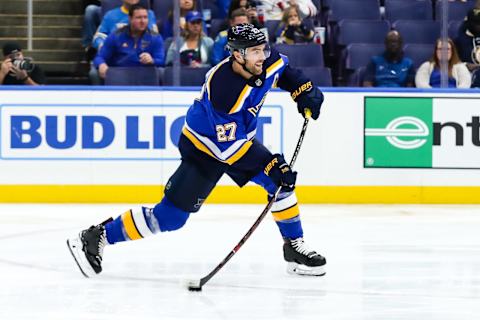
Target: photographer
16,70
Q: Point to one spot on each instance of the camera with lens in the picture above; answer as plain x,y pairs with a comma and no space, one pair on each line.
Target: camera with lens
23,64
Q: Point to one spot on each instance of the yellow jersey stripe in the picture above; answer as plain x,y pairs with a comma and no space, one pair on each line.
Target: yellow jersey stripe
240,153
200,146
197,143
286,214
241,99
274,66
130,227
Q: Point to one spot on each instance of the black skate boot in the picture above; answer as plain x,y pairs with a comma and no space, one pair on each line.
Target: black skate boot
301,260
87,249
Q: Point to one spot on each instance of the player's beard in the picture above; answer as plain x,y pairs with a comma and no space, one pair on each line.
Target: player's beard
254,69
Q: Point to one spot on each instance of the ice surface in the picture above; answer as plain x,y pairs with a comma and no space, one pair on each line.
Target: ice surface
383,262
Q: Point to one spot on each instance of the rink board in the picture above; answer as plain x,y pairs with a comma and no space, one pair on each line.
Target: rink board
94,145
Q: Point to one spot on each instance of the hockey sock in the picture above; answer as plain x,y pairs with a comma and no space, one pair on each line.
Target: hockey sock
287,215
168,216
284,210
132,225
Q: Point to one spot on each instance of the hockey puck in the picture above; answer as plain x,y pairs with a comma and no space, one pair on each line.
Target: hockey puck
195,289
193,285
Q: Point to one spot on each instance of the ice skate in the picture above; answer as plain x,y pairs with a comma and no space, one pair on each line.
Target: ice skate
87,249
301,260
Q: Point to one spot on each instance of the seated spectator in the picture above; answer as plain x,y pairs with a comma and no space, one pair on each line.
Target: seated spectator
113,20
195,46
468,44
391,69
132,45
185,7
117,18
274,8
428,75
91,21
14,72
251,7
294,30
220,51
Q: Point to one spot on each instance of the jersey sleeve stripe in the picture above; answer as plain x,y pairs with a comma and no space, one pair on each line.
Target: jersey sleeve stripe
241,99
130,227
275,67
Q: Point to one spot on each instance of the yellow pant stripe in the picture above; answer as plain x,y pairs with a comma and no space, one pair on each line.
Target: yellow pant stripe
286,214
130,227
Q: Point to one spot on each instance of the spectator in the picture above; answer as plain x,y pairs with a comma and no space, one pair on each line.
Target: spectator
113,20
428,75
195,47
91,21
294,30
250,6
185,7
468,44
12,73
391,69
274,8
117,18
220,51
132,45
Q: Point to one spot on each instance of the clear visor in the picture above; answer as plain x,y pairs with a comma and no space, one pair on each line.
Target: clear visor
258,52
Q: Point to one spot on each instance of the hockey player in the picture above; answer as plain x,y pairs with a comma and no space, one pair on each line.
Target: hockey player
219,137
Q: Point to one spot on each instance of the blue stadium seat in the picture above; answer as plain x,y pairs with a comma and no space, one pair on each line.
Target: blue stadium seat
418,31
273,31
454,28
302,55
188,76
356,78
408,10
320,76
359,54
212,5
419,53
132,76
362,31
161,8
354,9
456,10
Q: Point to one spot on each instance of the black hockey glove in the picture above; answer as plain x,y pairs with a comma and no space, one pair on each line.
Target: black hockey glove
310,97
281,173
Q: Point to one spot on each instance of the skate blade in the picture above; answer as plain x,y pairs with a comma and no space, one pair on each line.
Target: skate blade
302,270
75,248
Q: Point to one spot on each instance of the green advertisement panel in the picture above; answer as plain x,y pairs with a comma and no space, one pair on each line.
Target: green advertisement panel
398,132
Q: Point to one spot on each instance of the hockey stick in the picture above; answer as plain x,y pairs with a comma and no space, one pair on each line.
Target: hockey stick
196,285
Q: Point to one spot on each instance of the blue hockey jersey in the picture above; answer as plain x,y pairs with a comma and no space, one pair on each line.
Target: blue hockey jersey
223,121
